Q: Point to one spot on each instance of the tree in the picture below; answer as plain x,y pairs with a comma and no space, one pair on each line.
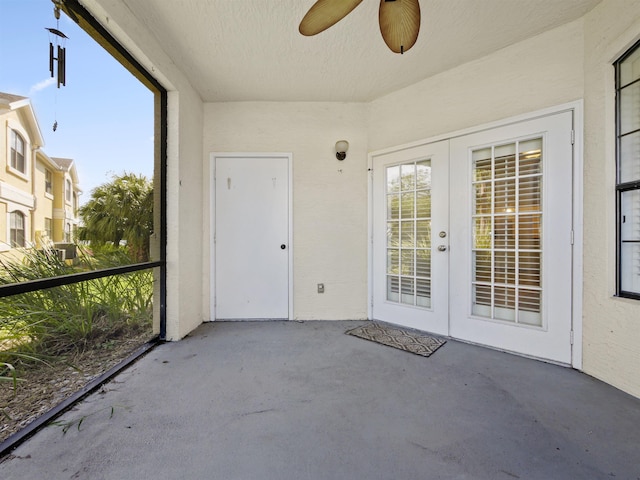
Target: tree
120,210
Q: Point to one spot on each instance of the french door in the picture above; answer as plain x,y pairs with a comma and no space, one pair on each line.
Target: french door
482,250
512,234
411,197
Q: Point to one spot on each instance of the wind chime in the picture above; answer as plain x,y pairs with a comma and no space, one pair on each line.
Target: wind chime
57,52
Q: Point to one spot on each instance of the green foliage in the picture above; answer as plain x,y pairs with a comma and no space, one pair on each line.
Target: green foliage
69,318
120,210
8,373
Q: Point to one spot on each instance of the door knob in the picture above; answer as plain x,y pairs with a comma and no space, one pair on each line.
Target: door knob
442,248
283,246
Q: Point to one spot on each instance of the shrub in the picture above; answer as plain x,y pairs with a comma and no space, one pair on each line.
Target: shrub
70,318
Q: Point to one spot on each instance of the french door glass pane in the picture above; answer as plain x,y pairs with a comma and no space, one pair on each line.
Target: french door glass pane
506,220
630,157
630,241
408,192
630,68
629,107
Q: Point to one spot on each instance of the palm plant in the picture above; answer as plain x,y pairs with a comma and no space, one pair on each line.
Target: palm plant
120,210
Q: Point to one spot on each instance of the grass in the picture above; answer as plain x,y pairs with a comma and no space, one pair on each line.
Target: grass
69,319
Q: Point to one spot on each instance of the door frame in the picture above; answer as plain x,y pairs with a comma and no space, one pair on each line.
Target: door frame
213,156
577,110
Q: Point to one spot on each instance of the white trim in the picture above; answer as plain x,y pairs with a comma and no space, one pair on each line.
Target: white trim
28,150
370,217
27,227
577,109
578,233
212,211
14,195
545,112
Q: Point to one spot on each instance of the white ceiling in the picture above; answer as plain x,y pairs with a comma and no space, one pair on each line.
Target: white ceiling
242,50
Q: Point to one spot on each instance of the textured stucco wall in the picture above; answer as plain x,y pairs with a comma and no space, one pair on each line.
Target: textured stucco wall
611,325
329,196
540,72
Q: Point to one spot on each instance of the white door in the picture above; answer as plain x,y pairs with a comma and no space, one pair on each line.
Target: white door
511,237
472,237
410,247
251,237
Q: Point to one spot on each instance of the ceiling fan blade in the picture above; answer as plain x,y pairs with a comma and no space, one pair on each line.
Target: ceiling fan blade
325,13
399,23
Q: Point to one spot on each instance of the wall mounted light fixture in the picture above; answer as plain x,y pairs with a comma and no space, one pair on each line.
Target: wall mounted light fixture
341,149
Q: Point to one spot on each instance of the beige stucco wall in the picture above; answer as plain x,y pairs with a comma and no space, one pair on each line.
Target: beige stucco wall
611,325
539,72
329,196
58,206
44,201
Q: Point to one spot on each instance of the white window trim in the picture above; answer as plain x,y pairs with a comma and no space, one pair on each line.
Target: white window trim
48,195
27,226
68,192
12,125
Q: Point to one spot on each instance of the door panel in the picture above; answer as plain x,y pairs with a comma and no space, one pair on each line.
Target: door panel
410,210
511,237
251,238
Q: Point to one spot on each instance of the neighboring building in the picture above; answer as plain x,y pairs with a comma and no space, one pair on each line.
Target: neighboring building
38,194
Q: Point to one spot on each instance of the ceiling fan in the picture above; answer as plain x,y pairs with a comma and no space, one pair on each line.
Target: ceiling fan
399,20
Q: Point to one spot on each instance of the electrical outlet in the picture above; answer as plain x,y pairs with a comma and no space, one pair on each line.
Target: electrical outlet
321,288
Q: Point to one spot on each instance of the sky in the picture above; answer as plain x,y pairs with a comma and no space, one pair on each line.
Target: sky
104,114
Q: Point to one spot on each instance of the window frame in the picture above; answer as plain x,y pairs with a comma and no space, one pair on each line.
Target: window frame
14,232
48,227
13,160
620,186
48,182
67,232
68,187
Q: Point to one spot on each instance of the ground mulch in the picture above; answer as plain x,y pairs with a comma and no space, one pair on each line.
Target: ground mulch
44,386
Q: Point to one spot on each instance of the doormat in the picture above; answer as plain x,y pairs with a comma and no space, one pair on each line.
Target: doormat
407,340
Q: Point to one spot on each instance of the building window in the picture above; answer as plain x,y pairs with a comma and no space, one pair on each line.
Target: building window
68,190
628,172
48,182
67,233
47,227
17,229
17,152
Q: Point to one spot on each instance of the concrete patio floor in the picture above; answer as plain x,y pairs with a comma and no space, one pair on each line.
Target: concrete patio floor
290,400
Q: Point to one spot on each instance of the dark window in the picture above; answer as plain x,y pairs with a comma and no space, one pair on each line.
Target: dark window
17,229
47,227
48,182
17,152
628,172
